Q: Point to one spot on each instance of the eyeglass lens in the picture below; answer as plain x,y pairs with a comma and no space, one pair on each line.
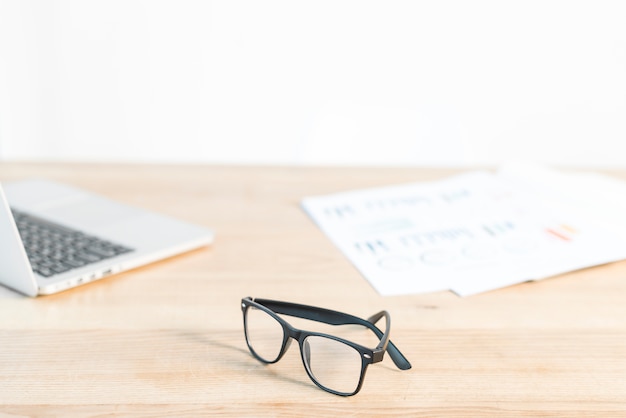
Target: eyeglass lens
331,363
264,333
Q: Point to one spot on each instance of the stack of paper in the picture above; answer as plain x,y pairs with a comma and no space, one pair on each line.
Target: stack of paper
476,231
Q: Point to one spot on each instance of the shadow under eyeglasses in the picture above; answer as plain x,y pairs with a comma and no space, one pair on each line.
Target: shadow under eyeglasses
240,359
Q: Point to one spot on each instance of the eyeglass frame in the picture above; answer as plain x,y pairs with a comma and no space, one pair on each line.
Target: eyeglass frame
327,316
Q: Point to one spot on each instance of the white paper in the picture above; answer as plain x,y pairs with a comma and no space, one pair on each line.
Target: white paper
469,233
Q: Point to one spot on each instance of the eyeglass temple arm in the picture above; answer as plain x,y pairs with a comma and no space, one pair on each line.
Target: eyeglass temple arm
331,317
398,358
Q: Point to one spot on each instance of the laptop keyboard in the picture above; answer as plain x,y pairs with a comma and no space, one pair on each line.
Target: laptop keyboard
54,249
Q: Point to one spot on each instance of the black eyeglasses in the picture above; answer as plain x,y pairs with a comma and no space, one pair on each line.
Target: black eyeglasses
334,364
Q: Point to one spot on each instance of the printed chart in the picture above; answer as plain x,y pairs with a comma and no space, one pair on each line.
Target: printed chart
469,233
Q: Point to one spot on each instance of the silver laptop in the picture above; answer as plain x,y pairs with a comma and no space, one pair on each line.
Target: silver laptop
54,237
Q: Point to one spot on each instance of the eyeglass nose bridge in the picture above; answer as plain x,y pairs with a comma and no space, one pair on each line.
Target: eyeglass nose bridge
290,334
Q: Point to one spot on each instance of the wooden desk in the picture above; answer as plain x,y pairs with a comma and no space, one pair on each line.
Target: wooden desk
167,339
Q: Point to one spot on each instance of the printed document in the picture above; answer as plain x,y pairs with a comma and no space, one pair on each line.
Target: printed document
469,233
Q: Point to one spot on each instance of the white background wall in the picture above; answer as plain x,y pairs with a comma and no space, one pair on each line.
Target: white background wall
437,82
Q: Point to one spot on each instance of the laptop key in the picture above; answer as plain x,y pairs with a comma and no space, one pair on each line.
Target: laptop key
75,262
92,258
60,268
45,272
103,252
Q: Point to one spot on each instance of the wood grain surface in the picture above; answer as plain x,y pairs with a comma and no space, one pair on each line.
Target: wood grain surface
167,339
